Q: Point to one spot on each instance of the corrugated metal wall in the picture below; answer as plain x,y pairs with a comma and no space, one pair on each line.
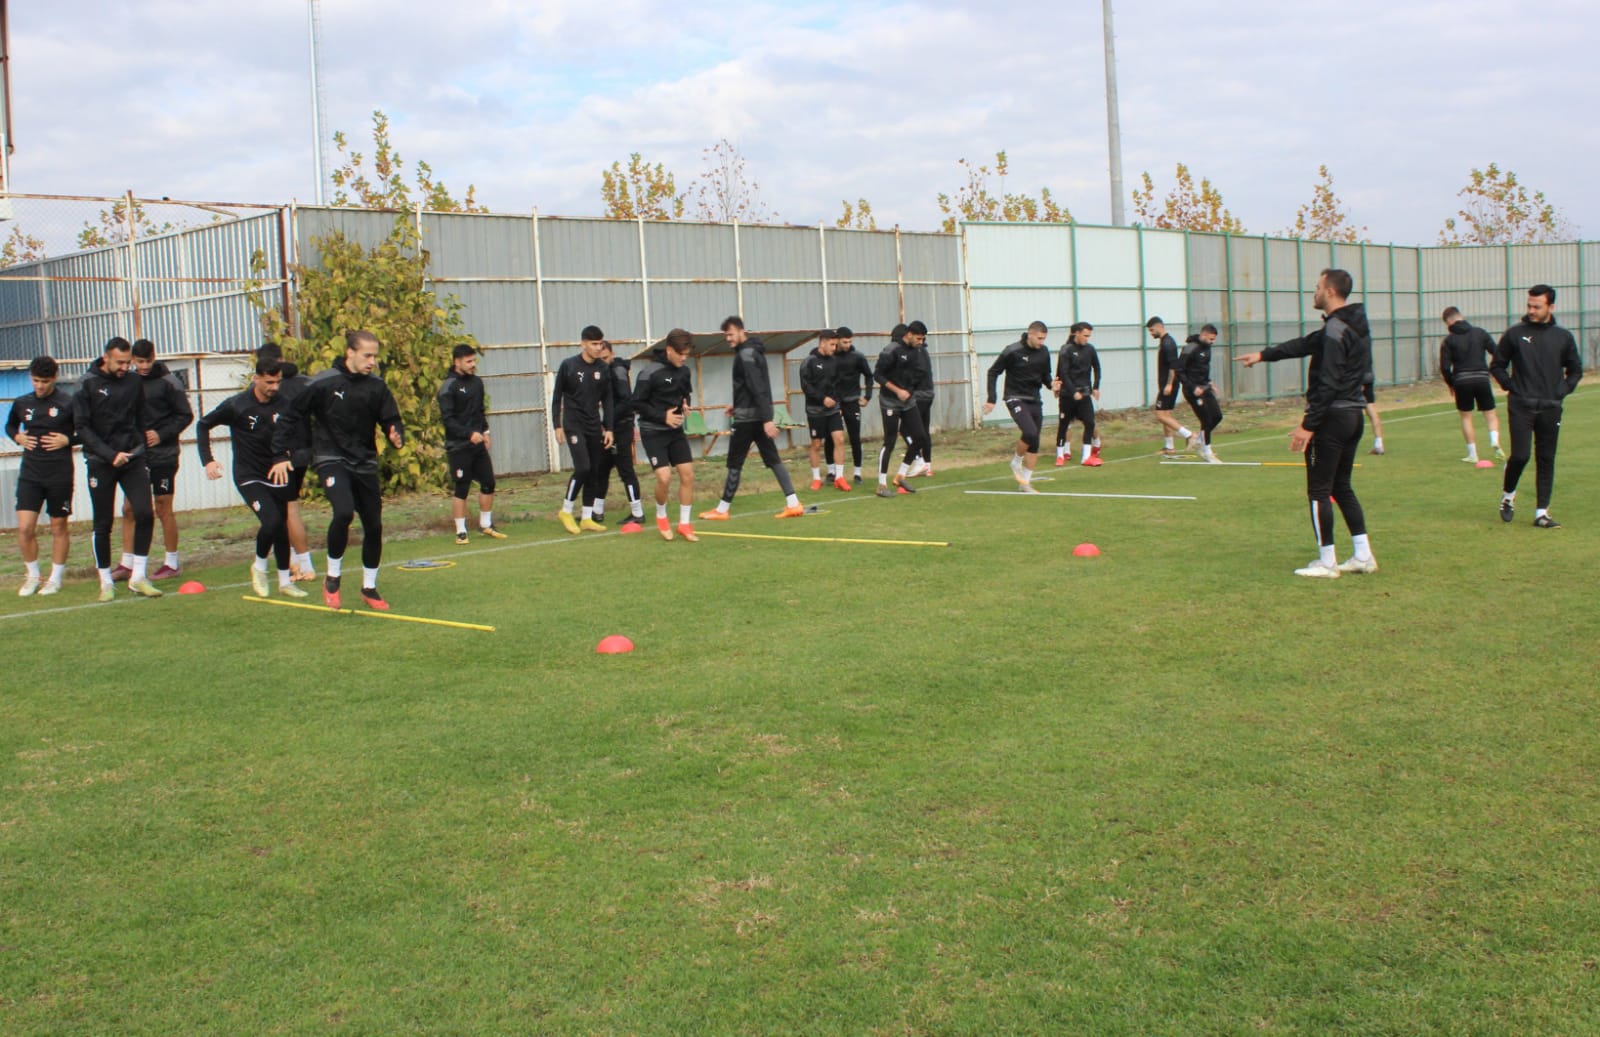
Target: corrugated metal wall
529,284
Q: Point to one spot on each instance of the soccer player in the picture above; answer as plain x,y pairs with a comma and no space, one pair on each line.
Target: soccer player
301,568
751,413
1167,386
111,425
346,405
1078,385
1330,431
923,465
41,423
818,381
900,375
253,417
1026,365
1463,356
1194,374
167,410
582,413
1538,365
854,378
1369,393
467,441
620,456
661,396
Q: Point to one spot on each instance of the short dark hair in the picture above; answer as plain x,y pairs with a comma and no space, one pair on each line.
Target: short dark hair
44,367
1449,312
1544,290
1339,280
732,322
1038,325
898,331
844,332
269,349
269,365
118,344
679,340
144,349
461,350
353,339
1082,325
1153,321
592,334
1208,327
916,327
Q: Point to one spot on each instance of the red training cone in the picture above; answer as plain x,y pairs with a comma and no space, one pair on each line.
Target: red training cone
192,587
615,644
1086,551
1484,464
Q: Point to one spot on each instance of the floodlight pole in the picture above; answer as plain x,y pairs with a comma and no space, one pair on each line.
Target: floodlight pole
314,30
1119,218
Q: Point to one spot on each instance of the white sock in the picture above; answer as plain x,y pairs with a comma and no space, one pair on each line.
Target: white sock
566,506
599,510
724,506
1328,556
127,561
816,475
57,573
1185,433
303,560
485,520
283,578
904,468
1016,461
105,577
33,569
1494,438
636,509
1508,498
335,566
1359,544
1027,474
588,511
883,478
661,511
369,578
1166,444
792,500
261,565
141,566
684,513
1378,442
1086,449
172,560
1062,449
461,524
1472,451
1540,512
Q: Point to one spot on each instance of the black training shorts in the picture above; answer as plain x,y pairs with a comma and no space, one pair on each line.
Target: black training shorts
666,449
1476,394
54,498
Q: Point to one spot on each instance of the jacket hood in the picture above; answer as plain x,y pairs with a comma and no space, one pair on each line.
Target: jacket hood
289,370
759,345
342,369
1460,327
623,362
157,370
1354,314
1193,340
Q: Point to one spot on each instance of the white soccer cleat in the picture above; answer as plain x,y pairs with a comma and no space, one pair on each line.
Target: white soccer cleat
1317,571
30,586
1359,565
258,582
49,587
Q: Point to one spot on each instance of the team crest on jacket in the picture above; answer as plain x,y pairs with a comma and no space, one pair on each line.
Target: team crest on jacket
52,412
94,483
256,505
597,376
330,480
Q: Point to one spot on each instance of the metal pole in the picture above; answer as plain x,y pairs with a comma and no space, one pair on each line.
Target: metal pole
133,266
738,273
644,287
1113,122
1144,308
1394,325
314,31
822,253
552,448
1266,315
976,395
899,275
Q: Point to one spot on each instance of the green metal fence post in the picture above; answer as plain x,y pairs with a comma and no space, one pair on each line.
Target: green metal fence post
1266,332
1394,325
1144,308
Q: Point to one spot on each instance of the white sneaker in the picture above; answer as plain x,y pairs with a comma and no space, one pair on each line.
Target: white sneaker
1469,459
1359,565
919,468
30,585
1317,570
1212,458
49,587
258,582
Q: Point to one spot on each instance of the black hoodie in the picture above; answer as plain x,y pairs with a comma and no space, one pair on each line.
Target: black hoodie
1543,360
1341,356
1462,354
461,407
752,385
819,377
166,408
345,410
1194,365
109,412
660,387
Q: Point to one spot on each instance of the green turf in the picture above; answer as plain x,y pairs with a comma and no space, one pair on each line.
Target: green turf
852,789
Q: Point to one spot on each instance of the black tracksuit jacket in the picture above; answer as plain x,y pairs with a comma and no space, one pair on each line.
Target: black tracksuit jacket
1341,357
1026,370
346,411
109,413
1543,361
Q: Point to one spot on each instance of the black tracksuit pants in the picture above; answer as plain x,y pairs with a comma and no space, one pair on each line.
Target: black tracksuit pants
1535,428
1330,456
134,479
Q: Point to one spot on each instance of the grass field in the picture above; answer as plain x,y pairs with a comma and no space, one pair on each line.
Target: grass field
842,789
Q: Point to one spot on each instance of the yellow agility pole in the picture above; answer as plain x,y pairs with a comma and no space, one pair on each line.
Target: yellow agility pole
827,540
370,615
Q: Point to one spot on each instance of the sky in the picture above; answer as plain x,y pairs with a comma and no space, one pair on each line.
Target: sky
826,101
